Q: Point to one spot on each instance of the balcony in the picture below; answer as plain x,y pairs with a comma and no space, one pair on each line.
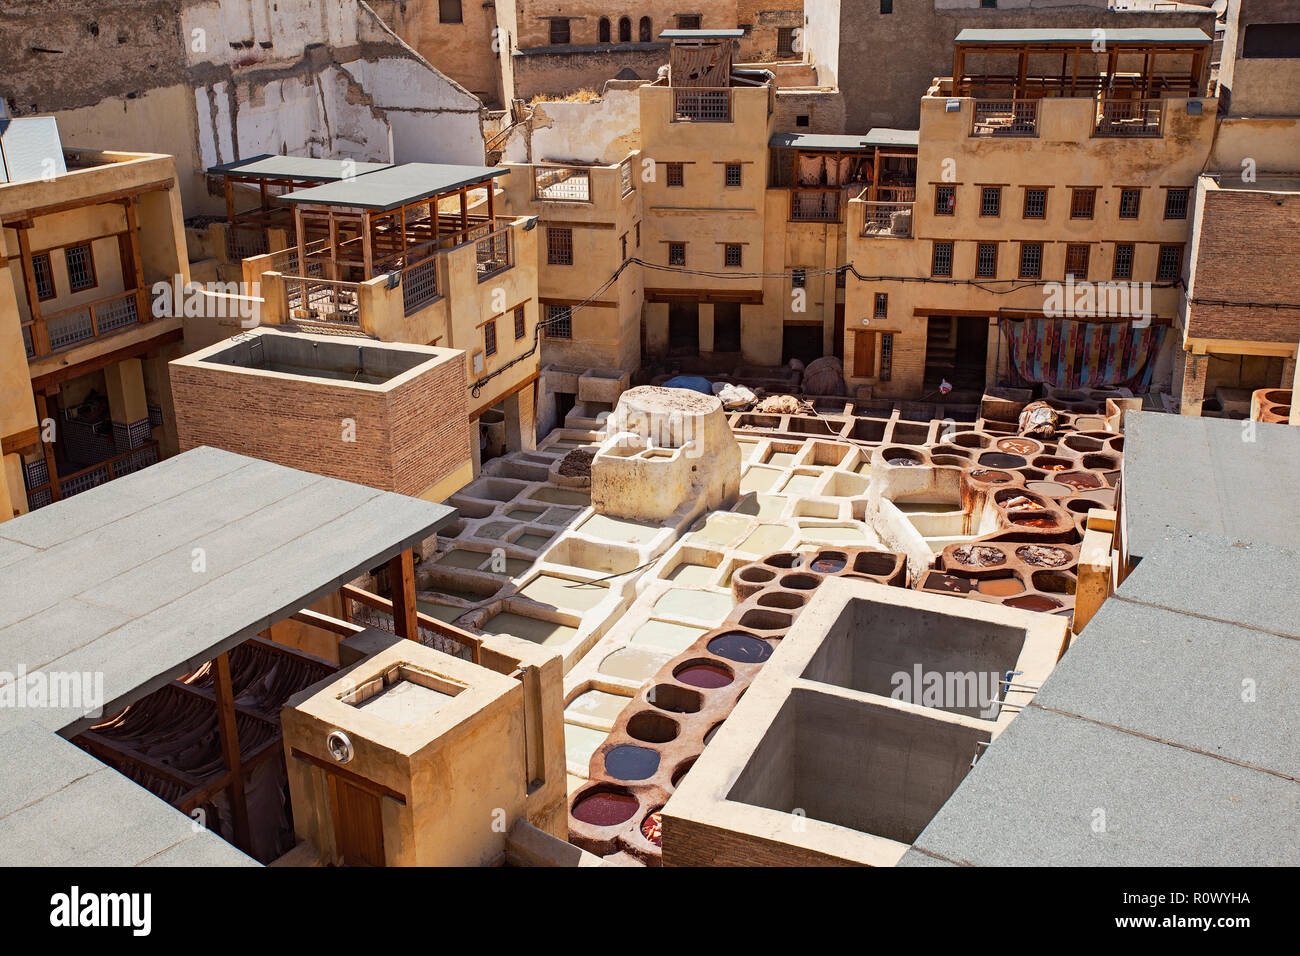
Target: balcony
816,205
492,253
84,323
562,183
698,105
887,220
1005,118
1126,119
98,474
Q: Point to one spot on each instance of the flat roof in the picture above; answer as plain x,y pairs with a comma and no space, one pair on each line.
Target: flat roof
267,166
395,186
1202,474
1119,37
1143,717
816,141
106,582
883,136
701,34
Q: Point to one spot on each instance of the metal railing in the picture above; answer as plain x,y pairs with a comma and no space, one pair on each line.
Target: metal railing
244,242
493,254
1125,118
815,205
701,105
322,300
1005,118
891,220
97,474
562,183
84,323
420,284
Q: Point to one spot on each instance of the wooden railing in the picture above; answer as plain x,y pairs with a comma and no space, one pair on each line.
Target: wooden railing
65,486
887,220
84,323
493,254
376,611
701,105
1128,118
1005,118
562,183
322,300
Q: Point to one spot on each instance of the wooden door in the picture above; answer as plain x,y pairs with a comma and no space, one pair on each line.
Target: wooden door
358,824
864,354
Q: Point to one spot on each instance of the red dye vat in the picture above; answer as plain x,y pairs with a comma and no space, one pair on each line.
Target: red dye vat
652,828
704,675
605,809
1032,602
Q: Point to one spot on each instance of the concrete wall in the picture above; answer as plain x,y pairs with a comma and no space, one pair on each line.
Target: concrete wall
468,52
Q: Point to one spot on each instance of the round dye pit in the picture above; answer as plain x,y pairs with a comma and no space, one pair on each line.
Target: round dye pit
605,809
1019,446
652,828
741,648
630,762
828,563
1025,521
1032,602
990,476
998,459
1080,480
1043,555
979,556
700,674
1001,587
901,462
936,581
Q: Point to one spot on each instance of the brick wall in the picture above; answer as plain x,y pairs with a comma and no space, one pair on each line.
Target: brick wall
406,438
1248,252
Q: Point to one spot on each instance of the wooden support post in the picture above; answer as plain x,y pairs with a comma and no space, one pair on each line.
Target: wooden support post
401,584
433,208
47,447
464,215
302,244
367,246
133,234
230,201
229,732
40,337
1022,69
334,248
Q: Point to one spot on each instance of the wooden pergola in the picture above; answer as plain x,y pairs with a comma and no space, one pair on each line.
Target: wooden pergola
1118,63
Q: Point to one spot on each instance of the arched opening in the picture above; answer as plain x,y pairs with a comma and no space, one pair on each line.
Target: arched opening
647,32
625,30
602,30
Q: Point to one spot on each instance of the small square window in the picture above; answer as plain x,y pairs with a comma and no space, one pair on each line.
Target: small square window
785,41
559,321
1031,260
490,337
1123,261
688,22
801,120
732,175
733,255
677,253
1176,204
941,263
945,200
798,278
1170,266
449,11
81,267
637,231
43,275
989,4
676,174
886,6
1035,203
882,306
1082,203
1076,261
986,260
991,201
559,245
1130,201
520,327
559,32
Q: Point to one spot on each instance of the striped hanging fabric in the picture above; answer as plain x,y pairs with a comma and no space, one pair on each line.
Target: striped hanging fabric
1065,353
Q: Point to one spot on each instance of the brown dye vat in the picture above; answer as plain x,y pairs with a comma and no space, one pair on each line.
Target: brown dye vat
1001,587
938,581
979,556
606,809
990,476
1050,489
1033,602
1027,522
1043,555
1019,446
997,459
1080,480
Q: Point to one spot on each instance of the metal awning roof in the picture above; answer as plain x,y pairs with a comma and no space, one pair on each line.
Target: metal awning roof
816,141
30,149
701,34
106,583
1115,37
395,186
883,136
267,166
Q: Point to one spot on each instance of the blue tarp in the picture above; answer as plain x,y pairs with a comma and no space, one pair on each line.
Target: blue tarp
693,382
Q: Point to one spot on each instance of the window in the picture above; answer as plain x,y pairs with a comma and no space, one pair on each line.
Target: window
1123,268
645,31
676,174
801,120
685,22
1176,204
1031,260
732,174
559,246
559,32
1130,201
1035,203
1076,261
520,327
490,337
941,264
44,276
1170,266
945,199
625,30
677,253
449,11
733,255
1082,203
559,321
991,201
886,6
785,41
798,278
81,267
622,244
886,356
989,4
1271,41
881,310
986,260
602,30
637,232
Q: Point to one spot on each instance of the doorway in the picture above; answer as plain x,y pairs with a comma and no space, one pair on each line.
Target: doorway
957,350
801,341
726,327
358,823
683,329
